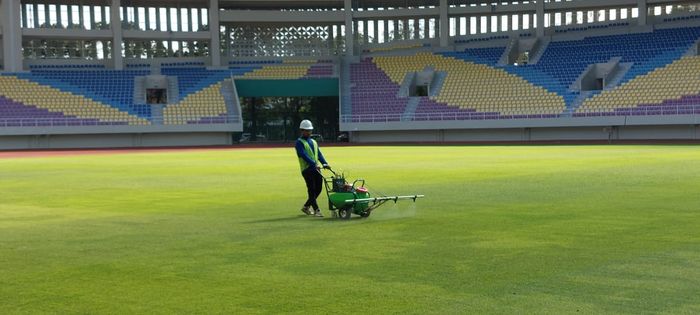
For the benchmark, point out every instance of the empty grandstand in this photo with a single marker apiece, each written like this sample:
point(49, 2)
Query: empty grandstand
point(142, 73)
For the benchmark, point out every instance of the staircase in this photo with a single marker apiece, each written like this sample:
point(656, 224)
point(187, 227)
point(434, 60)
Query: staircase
point(173, 90)
point(438, 82)
point(157, 114)
point(617, 78)
point(345, 88)
point(539, 50)
point(506, 53)
point(155, 69)
point(569, 111)
point(410, 110)
point(405, 89)
point(228, 91)
point(693, 51)
point(139, 90)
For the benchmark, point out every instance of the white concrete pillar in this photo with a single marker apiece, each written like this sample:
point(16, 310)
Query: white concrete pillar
point(386, 31)
point(643, 12)
point(158, 20)
point(11, 35)
point(47, 16)
point(539, 14)
point(81, 17)
point(376, 31)
point(331, 39)
point(444, 23)
point(117, 37)
point(349, 32)
point(426, 29)
point(179, 20)
point(93, 20)
point(146, 19)
point(136, 17)
point(214, 42)
point(416, 28)
point(406, 30)
point(365, 35)
point(499, 23)
point(190, 18)
point(59, 16)
point(168, 21)
point(70, 16)
point(227, 49)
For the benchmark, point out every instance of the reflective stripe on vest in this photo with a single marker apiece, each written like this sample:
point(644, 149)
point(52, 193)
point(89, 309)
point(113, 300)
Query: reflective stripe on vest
point(312, 154)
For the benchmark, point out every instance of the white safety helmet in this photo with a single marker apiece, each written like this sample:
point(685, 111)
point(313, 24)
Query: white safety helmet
point(306, 125)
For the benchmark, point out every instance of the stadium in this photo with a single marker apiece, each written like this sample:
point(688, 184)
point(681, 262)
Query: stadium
point(532, 156)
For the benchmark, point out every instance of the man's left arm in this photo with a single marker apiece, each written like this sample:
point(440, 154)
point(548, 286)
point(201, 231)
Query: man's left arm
point(321, 158)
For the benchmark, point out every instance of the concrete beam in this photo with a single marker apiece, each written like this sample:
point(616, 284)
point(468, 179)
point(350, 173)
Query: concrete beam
point(257, 16)
point(12, 35)
point(176, 36)
point(67, 34)
point(398, 13)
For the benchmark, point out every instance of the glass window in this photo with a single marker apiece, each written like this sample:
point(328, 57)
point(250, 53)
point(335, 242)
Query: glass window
point(173, 20)
point(185, 25)
point(195, 20)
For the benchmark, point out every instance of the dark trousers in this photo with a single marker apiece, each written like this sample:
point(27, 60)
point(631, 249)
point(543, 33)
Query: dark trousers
point(314, 185)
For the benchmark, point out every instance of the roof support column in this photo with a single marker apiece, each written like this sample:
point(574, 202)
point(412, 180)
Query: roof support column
point(444, 23)
point(214, 41)
point(11, 35)
point(116, 25)
point(539, 14)
point(643, 12)
point(349, 31)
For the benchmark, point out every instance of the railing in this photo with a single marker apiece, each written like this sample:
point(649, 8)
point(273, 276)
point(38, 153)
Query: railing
point(451, 116)
point(87, 122)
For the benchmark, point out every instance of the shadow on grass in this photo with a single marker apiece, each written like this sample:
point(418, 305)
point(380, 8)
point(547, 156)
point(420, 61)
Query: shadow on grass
point(282, 219)
point(325, 219)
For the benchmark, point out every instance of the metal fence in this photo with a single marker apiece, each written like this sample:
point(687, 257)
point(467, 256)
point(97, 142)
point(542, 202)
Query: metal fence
point(451, 116)
point(88, 122)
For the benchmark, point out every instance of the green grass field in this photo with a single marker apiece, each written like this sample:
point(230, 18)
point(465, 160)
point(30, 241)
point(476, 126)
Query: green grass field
point(530, 230)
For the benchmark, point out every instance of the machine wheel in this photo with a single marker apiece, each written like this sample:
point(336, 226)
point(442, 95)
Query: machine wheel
point(365, 214)
point(344, 213)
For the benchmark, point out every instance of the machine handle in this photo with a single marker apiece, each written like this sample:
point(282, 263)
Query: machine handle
point(330, 170)
point(357, 181)
point(387, 198)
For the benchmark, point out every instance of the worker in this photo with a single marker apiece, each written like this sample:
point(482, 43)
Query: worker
point(309, 157)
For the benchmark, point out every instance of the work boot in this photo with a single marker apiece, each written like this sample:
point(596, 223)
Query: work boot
point(306, 210)
point(318, 213)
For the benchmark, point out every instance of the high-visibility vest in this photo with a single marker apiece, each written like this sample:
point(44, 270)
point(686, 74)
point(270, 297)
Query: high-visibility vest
point(313, 154)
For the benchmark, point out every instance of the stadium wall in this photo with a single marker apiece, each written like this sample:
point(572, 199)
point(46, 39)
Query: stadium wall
point(560, 129)
point(562, 134)
point(118, 140)
point(21, 138)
